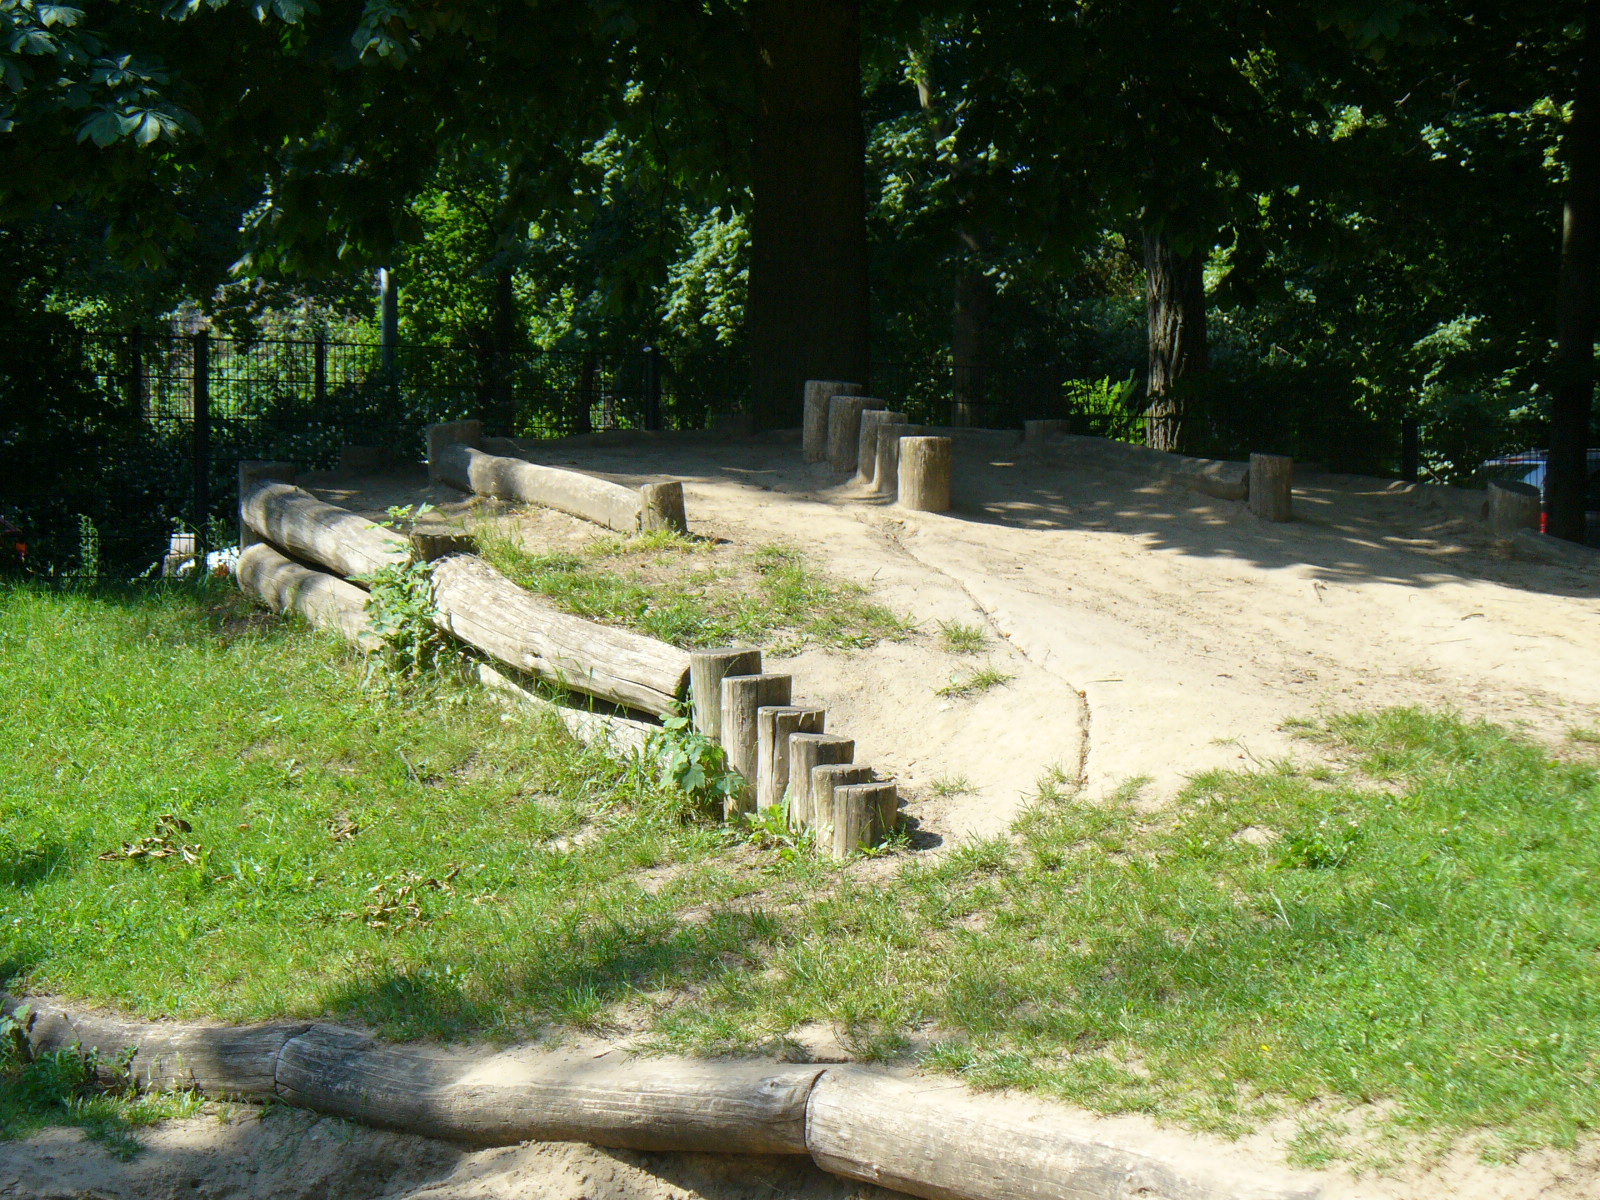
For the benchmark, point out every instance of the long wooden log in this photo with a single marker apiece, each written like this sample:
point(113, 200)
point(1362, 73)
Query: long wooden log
point(591, 728)
point(625, 509)
point(295, 520)
point(326, 601)
point(512, 625)
point(251, 472)
point(745, 1108)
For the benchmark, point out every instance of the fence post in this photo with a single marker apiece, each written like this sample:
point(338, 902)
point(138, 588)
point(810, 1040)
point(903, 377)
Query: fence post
point(1410, 449)
point(652, 387)
point(319, 366)
point(200, 397)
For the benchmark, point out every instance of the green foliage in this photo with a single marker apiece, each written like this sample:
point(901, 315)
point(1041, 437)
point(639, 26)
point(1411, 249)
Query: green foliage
point(975, 682)
point(958, 638)
point(402, 612)
point(693, 764)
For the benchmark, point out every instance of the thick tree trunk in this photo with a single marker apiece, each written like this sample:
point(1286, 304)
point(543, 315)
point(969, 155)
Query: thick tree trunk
point(1175, 304)
point(1576, 300)
point(806, 316)
point(969, 346)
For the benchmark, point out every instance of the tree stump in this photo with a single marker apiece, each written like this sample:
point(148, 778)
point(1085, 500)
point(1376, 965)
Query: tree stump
point(251, 472)
point(886, 472)
point(1272, 487)
point(661, 507)
point(707, 669)
point(844, 430)
point(742, 697)
point(873, 421)
point(774, 726)
point(807, 752)
point(1513, 506)
point(814, 436)
point(925, 474)
point(447, 434)
point(864, 813)
point(826, 782)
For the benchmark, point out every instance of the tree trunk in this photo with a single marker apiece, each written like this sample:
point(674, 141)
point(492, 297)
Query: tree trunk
point(969, 346)
point(1175, 304)
point(806, 315)
point(1567, 467)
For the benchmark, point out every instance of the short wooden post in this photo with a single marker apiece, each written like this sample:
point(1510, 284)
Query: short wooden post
point(886, 473)
point(814, 436)
point(774, 726)
point(707, 670)
point(844, 430)
point(742, 697)
point(251, 472)
point(1272, 486)
point(661, 507)
point(925, 474)
point(1513, 506)
point(872, 423)
point(807, 752)
point(826, 783)
point(859, 816)
point(450, 433)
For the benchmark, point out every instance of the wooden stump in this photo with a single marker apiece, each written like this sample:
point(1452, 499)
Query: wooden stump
point(873, 422)
point(826, 782)
point(864, 813)
point(661, 507)
point(886, 472)
point(1272, 487)
point(447, 434)
point(925, 474)
point(742, 697)
point(844, 430)
point(707, 670)
point(774, 726)
point(807, 752)
point(1513, 506)
point(251, 472)
point(818, 393)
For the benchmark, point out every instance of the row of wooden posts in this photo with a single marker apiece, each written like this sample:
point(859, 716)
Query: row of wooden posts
point(855, 433)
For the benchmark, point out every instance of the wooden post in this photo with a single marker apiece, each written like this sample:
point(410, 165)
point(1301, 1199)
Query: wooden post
point(925, 474)
point(844, 430)
point(863, 815)
point(661, 507)
point(774, 725)
point(807, 752)
point(826, 781)
point(872, 423)
point(447, 434)
point(742, 697)
point(886, 474)
point(707, 669)
point(251, 472)
point(817, 394)
point(1513, 506)
point(1272, 486)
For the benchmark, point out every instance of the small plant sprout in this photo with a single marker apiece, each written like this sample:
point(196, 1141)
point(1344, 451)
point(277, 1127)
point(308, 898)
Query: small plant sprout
point(961, 639)
point(949, 786)
point(692, 763)
point(975, 684)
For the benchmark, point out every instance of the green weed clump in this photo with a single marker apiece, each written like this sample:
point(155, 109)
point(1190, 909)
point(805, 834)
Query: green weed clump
point(974, 683)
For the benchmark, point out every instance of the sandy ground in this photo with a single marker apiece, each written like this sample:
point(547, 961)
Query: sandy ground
point(1153, 633)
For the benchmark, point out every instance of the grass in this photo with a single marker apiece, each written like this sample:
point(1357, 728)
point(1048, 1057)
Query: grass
point(961, 639)
point(974, 683)
point(693, 593)
point(1412, 936)
point(948, 786)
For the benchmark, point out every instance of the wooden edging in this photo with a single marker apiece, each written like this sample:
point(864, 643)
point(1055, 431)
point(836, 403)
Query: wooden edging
point(923, 1136)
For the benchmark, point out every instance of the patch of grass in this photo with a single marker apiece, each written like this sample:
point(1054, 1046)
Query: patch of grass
point(974, 683)
point(1586, 735)
point(947, 786)
point(961, 639)
point(691, 593)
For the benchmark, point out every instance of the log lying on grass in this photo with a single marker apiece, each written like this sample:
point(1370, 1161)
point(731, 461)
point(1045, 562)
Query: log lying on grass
point(326, 601)
point(512, 625)
point(295, 520)
point(622, 734)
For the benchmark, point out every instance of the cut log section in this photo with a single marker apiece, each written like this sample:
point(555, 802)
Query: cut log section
point(807, 752)
point(925, 474)
point(886, 473)
point(844, 430)
point(872, 421)
point(295, 520)
point(826, 782)
point(707, 670)
point(528, 633)
point(864, 814)
point(774, 727)
point(742, 697)
point(324, 600)
point(1272, 487)
point(814, 436)
point(1513, 506)
point(622, 734)
point(252, 472)
point(446, 434)
point(661, 507)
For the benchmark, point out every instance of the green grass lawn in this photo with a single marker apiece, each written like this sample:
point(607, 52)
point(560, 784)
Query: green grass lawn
point(1419, 929)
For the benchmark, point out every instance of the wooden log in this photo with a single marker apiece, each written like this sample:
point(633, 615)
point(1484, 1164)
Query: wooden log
point(933, 1138)
point(502, 1099)
point(527, 632)
point(864, 814)
point(742, 697)
point(774, 725)
point(886, 474)
point(1513, 506)
point(1272, 486)
point(446, 434)
point(251, 472)
point(295, 520)
point(598, 500)
point(924, 475)
point(325, 600)
point(814, 436)
point(873, 420)
point(661, 507)
point(807, 752)
point(826, 782)
point(429, 542)
point(238, 1061)
point(844, 430)
point(707, 670)
point(622, 734)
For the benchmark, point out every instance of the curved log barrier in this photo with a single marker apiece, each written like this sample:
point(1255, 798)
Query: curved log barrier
point(326, 601)
point(623, 734)
point(319, 532)
point(924, 1136)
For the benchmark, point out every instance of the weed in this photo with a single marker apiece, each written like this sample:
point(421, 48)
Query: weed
point(948, 786)
point(975, 683)
point(961, 639)
point(693, 764)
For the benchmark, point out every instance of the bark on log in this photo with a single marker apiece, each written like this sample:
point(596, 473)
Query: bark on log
point(844, 430)
point(622, 734)
point(872, 421)
point(598, 500)
point(446, 434)
point(864, 814)
point(807, 752)
point(1513, 506)
point(219, 1060)
point(661, 507)
point(774, 726)
point(742, 697)
point(886, 474)
point(826, 782)
point(707, 670)
point(814, 435)
point(501, 1099)
point(326, 601)
point(333, 537)
point(935, 1139)
point(512, 625)
point(252, 472)
point(1272, 487)
point(925, 474)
